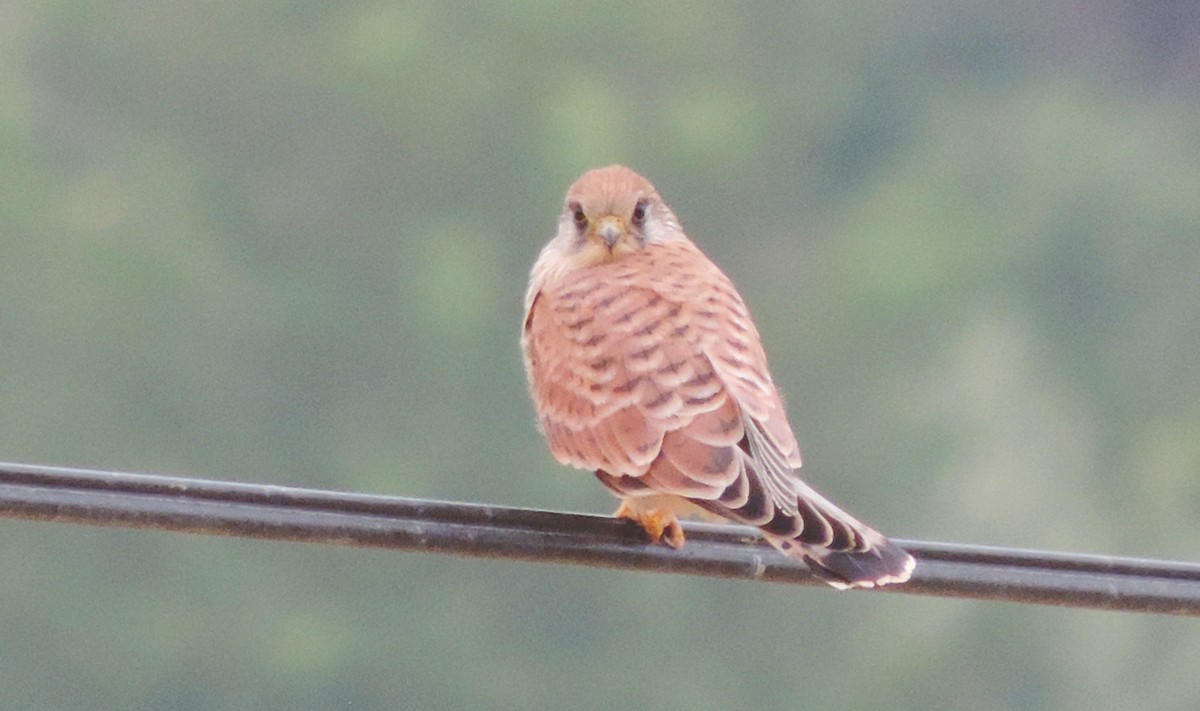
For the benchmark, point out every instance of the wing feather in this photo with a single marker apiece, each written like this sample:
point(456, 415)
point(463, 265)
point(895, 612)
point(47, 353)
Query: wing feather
point(650, 371)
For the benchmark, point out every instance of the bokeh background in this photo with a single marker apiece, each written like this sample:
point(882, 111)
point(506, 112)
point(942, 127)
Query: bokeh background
point(286, 242)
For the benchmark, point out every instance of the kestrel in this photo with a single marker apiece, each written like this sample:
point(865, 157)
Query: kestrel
point(645, 367)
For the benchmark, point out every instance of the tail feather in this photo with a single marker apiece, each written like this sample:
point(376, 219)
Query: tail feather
point(884, 563)
point(837, 547)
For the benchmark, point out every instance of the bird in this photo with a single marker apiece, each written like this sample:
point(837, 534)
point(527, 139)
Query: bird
point(646, 368)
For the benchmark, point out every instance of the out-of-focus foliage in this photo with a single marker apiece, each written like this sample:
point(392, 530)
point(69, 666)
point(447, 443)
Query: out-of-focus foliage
point(287, 242)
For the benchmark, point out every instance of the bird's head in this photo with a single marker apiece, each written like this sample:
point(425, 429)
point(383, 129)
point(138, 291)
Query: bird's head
point(611, 212)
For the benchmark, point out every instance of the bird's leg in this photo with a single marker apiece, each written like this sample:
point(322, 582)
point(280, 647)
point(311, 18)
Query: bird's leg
point(659, 524)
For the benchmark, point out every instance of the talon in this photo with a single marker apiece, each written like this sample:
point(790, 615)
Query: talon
point(673, 535)
point(659, 525)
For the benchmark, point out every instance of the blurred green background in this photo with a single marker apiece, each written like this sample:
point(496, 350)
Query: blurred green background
point(287, 242)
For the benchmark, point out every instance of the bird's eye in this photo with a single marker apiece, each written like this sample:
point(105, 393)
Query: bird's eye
point(639, 212)
point(578, 216)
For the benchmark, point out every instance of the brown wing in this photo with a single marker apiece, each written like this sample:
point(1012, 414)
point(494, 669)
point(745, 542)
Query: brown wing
point(653, 357)
point(615, 366)
point(650, 371)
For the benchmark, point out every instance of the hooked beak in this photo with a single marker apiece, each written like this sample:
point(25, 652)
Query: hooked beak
point(610, 230)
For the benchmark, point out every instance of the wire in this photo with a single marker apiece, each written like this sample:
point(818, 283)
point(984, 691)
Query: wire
point(312, 516)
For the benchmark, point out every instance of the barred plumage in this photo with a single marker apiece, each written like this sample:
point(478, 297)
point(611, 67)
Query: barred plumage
point(646, 368)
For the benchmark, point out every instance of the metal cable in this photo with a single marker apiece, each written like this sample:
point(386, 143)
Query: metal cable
point(307, 515)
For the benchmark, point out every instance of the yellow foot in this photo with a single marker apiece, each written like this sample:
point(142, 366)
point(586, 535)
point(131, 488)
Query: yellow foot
point(659, 525)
